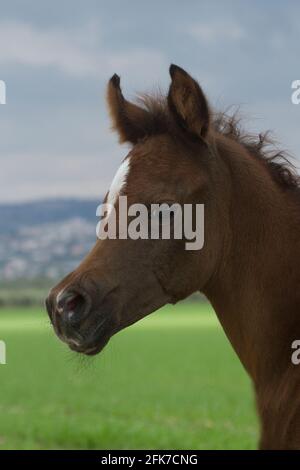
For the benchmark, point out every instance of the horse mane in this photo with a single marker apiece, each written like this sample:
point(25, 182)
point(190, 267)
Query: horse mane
point(261, 146)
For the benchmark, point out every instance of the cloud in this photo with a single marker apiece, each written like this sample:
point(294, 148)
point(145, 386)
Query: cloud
point(54, 126)
point(49, 175)
point(74, 52)
point(82, 155)
point(216, 31)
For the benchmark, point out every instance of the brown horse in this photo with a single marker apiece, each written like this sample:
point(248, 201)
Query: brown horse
point(248, 268)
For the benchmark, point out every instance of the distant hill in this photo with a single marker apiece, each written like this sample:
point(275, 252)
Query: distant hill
point(45, 239)
point(14, 216)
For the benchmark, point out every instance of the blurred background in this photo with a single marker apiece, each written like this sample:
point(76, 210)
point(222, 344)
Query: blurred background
point(171, 381)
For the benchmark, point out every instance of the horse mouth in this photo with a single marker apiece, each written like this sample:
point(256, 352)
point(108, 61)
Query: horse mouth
point(92, 343)
point(90, 349)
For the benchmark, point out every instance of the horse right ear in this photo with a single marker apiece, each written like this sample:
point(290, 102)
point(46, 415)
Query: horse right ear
point(128, 119)
point(188, 103)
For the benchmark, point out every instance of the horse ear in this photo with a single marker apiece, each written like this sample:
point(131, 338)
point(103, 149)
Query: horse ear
point(187, 103)
point(128, 119)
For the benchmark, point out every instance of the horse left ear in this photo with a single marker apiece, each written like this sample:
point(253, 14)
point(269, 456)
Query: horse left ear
point(129, 120)
point(188, 103)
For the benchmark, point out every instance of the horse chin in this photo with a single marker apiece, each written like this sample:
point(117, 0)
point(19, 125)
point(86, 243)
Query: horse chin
point(93, 343)
point(92, 348)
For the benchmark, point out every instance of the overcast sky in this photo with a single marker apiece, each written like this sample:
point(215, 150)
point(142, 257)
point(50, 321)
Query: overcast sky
point(56, 57)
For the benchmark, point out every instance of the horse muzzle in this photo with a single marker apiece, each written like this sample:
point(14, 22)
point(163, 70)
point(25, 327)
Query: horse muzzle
point(83, 320)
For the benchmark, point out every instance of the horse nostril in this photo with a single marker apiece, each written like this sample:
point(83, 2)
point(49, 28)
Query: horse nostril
point(71, 306)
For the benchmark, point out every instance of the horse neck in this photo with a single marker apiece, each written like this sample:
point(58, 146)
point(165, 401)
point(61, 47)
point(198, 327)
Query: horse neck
point(254, 290)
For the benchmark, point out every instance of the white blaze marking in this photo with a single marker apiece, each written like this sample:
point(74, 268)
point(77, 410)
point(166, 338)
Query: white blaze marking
point(116, 186)
point(118, 182)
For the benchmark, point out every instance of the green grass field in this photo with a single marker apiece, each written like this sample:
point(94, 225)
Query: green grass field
point(170, 381)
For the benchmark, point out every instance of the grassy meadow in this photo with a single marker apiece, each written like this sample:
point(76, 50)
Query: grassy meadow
point(170, 381)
